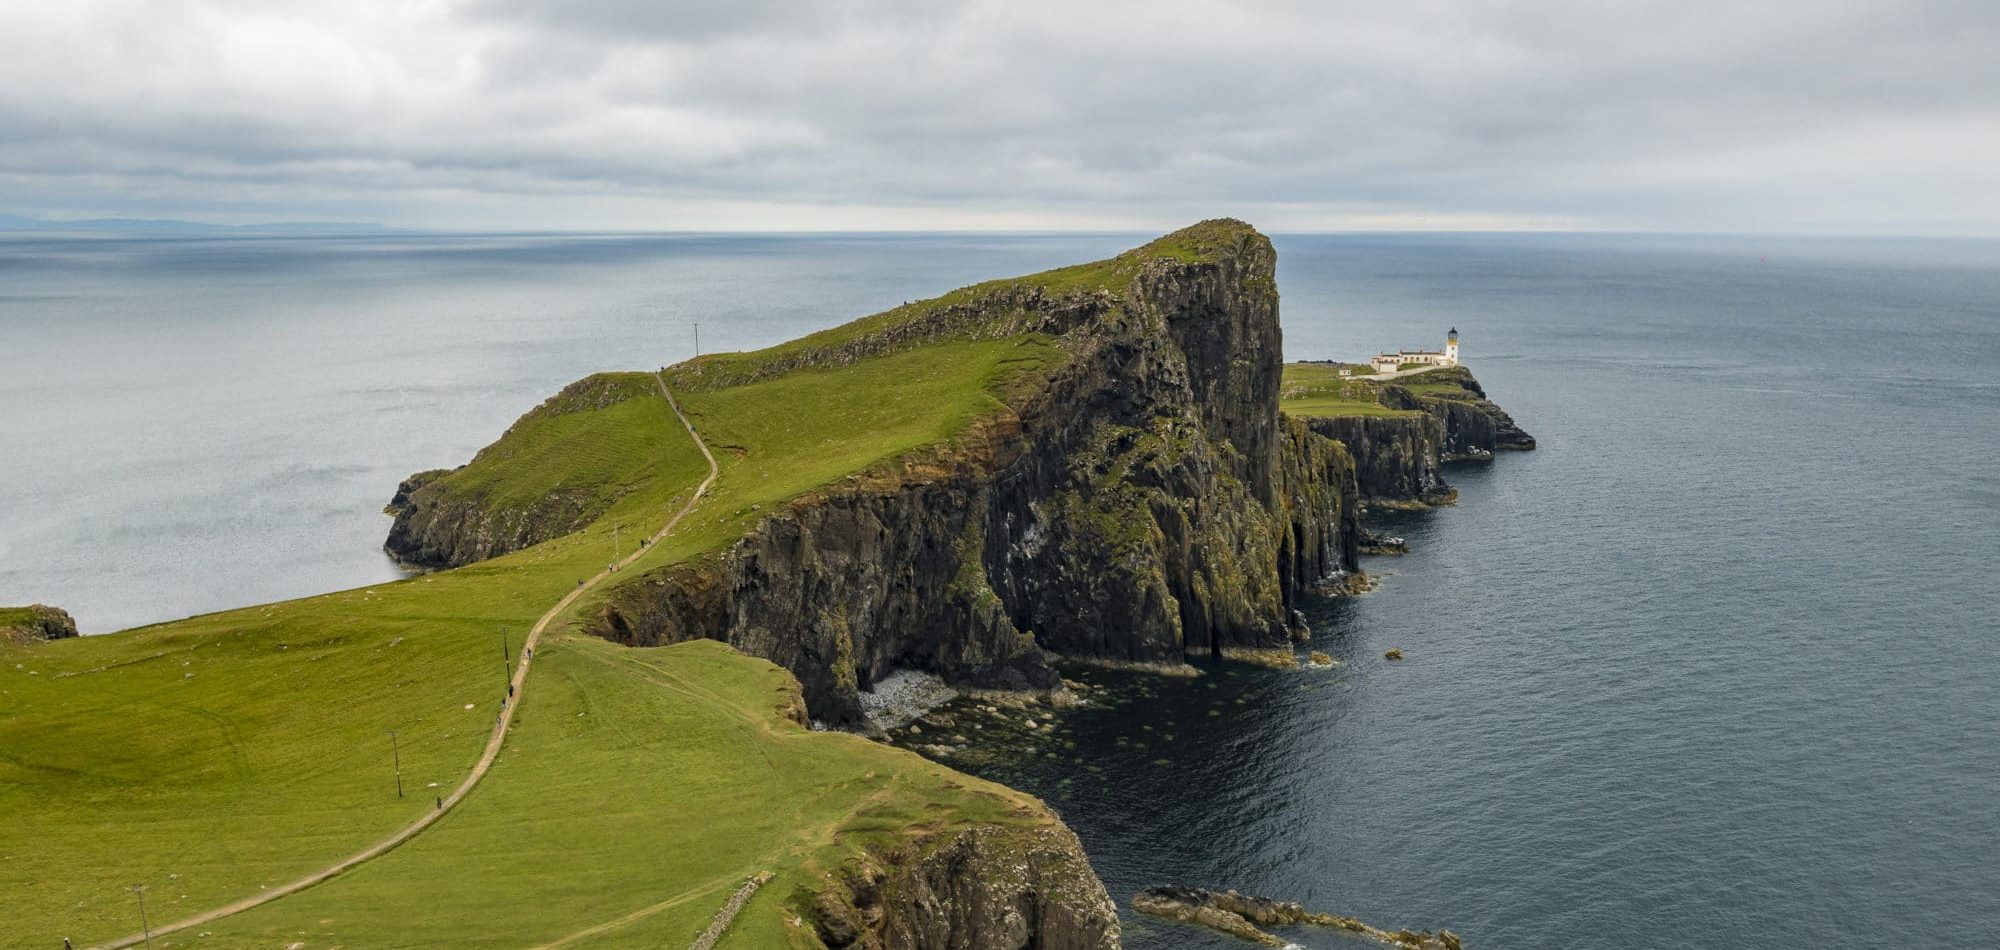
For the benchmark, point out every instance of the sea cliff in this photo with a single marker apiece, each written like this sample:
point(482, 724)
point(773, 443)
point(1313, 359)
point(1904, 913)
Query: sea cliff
point(1143, 502)
point(1398, 459)
point(1402, 432)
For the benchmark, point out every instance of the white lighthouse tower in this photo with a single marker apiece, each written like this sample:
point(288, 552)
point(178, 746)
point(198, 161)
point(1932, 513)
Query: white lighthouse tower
point(1451, 348)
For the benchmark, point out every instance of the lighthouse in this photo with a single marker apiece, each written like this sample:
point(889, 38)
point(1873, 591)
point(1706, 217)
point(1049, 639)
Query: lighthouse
point(1451, 348)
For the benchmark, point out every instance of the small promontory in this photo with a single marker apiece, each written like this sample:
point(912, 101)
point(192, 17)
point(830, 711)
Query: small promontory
point(1402, 432)
point(35, 622)
point(554, 471)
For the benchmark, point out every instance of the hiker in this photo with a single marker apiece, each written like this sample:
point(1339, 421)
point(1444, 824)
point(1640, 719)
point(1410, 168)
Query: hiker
point(440, 803)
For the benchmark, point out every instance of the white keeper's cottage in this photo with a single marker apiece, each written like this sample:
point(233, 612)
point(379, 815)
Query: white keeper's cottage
point(1391, 362)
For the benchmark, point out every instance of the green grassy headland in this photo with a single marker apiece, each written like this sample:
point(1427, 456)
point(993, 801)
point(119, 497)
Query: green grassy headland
point(211, 757)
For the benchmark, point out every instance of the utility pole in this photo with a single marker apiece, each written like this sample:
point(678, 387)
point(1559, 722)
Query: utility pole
point(396, 756)
point(145, 926)
point(697, 339)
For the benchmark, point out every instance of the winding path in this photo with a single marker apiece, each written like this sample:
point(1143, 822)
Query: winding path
point(493, 742)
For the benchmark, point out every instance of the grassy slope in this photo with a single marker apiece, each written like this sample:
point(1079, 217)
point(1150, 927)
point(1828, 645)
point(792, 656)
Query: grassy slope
point(642, 787)
point(268, 761)
point(547, 451)
point(216, 754)
point(785, 436)
point(210, 756)
point(1317, 390)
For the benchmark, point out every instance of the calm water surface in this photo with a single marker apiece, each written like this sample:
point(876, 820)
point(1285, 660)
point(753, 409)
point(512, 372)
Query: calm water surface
point(1716, 665)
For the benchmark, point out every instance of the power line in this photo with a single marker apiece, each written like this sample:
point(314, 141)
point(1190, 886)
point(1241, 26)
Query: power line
point(145, 926)
point(396, 756)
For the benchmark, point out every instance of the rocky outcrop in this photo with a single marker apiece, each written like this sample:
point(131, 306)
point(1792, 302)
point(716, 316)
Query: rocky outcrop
point(984, 888)
point(35, 623)
point(1397, 458)
point(1145, 502)
point(1240, 915)
point(438, 528)
point(444, 518)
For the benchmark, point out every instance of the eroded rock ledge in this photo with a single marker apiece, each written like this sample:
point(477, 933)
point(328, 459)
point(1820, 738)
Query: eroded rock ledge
point(1241, 916)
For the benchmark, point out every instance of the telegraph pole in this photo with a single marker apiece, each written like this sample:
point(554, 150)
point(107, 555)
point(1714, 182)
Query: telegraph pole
point(396, 754)
point(145, 926)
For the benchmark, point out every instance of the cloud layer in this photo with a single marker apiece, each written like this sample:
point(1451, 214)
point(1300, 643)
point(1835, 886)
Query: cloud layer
point(1827, 115)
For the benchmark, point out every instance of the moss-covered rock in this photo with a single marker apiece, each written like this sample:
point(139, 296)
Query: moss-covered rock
point(35, 622)
point(992, 887)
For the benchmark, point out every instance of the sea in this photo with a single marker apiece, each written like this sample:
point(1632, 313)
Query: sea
point(1717, 665)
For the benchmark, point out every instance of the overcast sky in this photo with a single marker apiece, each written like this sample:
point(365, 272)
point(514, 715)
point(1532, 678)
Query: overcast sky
point(1812, 115)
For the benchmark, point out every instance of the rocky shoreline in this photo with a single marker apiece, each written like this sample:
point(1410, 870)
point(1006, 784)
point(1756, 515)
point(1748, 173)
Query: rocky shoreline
point(1245, 917)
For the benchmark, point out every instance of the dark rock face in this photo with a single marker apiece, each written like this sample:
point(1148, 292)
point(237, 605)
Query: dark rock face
point(1319, 492)
point(1396, 458)
point(36, 622)
point(1474, 427)
point(1146, 504)
point(842, 587)
point(438, 528)
point(984, 888)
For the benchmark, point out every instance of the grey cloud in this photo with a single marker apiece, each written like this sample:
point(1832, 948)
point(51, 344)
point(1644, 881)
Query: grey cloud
point(1843, 114)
